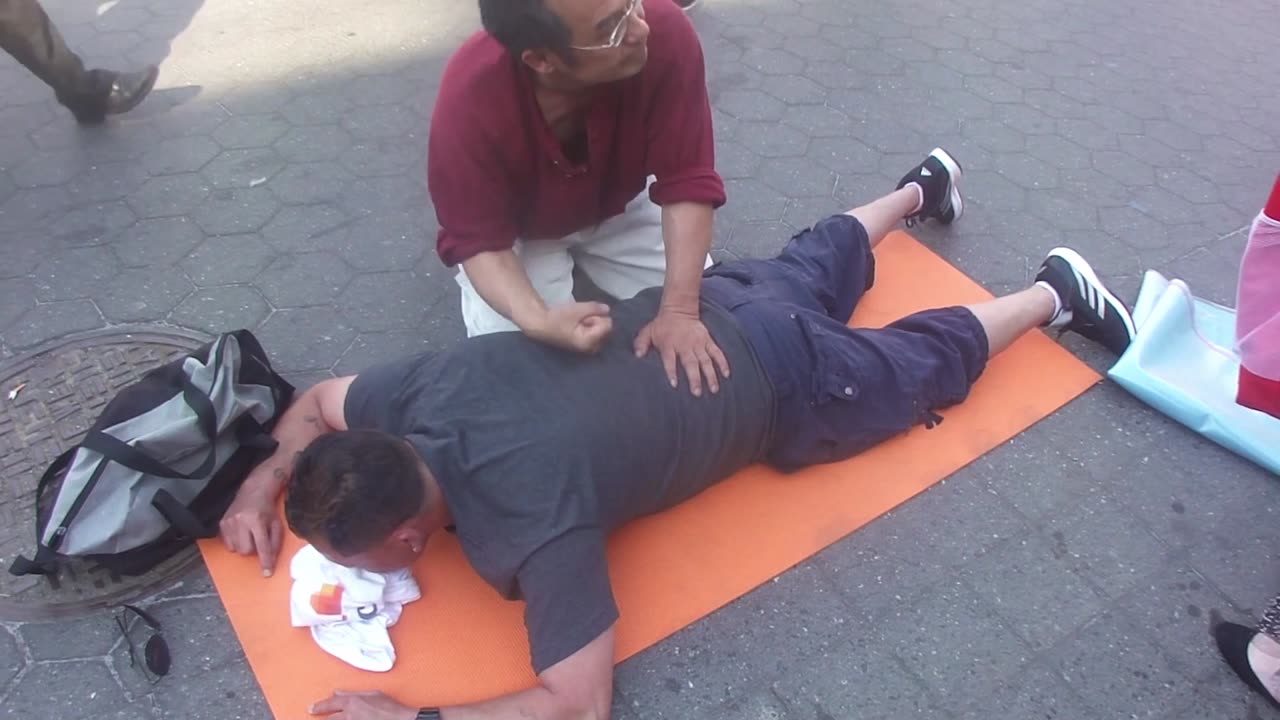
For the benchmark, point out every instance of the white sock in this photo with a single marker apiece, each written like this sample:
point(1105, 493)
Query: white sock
point(1264, 659)
point(919, 194)
point(1061, 314)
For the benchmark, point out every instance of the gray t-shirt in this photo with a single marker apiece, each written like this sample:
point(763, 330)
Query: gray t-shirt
point(541, 452)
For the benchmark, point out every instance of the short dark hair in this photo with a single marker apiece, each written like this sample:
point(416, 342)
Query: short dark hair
point(353, 488)
point(521, 25)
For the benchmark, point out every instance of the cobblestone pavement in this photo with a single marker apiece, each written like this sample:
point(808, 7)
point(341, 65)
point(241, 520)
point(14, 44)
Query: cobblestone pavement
point(275, 181)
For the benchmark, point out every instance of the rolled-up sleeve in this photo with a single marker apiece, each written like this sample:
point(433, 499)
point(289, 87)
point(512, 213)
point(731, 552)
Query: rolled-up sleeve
point(681, 141)
point(467, 183)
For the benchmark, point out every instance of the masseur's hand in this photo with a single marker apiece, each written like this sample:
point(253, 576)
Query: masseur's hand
point(579, 326)
point(682, 338)
point(362, 706)
point(251, 525)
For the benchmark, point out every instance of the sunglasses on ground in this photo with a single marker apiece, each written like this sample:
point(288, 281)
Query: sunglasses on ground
point(155, 651)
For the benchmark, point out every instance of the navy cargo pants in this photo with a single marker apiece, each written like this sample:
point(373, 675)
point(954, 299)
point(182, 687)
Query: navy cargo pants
point(842, 390)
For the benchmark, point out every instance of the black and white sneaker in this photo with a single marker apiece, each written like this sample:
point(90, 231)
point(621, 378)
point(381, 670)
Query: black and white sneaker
point(1085, 305)
point(939, 177)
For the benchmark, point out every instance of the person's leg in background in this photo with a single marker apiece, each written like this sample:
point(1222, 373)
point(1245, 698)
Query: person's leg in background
point(27, 33)
point(1254, 655)
point(550, 270)
point(1258, 312)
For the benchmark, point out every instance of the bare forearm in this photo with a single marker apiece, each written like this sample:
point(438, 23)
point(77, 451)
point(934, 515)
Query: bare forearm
point(536, 704)
point(686, 231)
point(500, 278)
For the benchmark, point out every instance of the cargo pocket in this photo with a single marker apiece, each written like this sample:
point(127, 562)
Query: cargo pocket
point(860, 395)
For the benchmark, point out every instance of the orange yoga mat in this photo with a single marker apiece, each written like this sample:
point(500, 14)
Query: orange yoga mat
point(462, 642)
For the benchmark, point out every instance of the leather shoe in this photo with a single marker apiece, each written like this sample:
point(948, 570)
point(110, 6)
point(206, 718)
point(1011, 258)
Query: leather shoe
point(1233, 642)
point(128, 90)
point(110, 93)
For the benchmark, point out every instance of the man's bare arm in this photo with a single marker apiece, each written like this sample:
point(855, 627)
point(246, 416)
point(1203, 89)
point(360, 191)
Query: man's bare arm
point(580, 687)
point(500, 278)
point(687, 234)
point(502, 281)
point(677, 332)
point(251, 525)
point(315, 412)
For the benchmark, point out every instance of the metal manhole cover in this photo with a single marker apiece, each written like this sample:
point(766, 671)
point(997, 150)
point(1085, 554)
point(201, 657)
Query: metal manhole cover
point(63, 388)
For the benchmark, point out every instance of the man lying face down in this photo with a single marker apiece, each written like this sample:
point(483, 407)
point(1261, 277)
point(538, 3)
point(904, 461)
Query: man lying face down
point(532, 454)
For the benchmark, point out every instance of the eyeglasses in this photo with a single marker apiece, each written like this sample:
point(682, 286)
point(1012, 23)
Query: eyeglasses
point(156, 659)
point(619, 31)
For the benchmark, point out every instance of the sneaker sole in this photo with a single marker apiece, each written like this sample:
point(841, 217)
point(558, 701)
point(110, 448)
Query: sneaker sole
point(1082, 266)
point(953, 167)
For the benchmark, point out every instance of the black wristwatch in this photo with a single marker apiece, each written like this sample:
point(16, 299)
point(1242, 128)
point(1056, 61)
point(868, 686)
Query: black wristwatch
point(428, 714)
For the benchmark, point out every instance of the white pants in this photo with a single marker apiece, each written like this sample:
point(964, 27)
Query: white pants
point(622, 256)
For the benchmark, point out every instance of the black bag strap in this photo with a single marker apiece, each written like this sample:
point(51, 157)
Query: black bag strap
point(122, 453)
point(251, 434)
point(45, 563)
point(118, 451)
point(180, 516)
point(74, 510)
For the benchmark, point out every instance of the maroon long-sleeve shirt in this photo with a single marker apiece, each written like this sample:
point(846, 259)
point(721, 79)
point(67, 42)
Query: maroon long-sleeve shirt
point(496, 172)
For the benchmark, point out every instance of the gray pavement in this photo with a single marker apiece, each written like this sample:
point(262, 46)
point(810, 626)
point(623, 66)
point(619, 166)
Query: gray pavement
point(276, 181)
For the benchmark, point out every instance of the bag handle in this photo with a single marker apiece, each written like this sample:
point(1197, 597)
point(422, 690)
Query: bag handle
point(181, 517)
point(177, 514)
point(250, 434)
point(118, 451)
point(45, 561)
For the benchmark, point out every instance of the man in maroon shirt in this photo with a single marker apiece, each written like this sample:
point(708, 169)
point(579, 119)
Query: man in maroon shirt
point(549, 128)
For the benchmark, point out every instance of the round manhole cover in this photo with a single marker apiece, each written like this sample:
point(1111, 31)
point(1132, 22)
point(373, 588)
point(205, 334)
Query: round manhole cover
point(48, 400)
